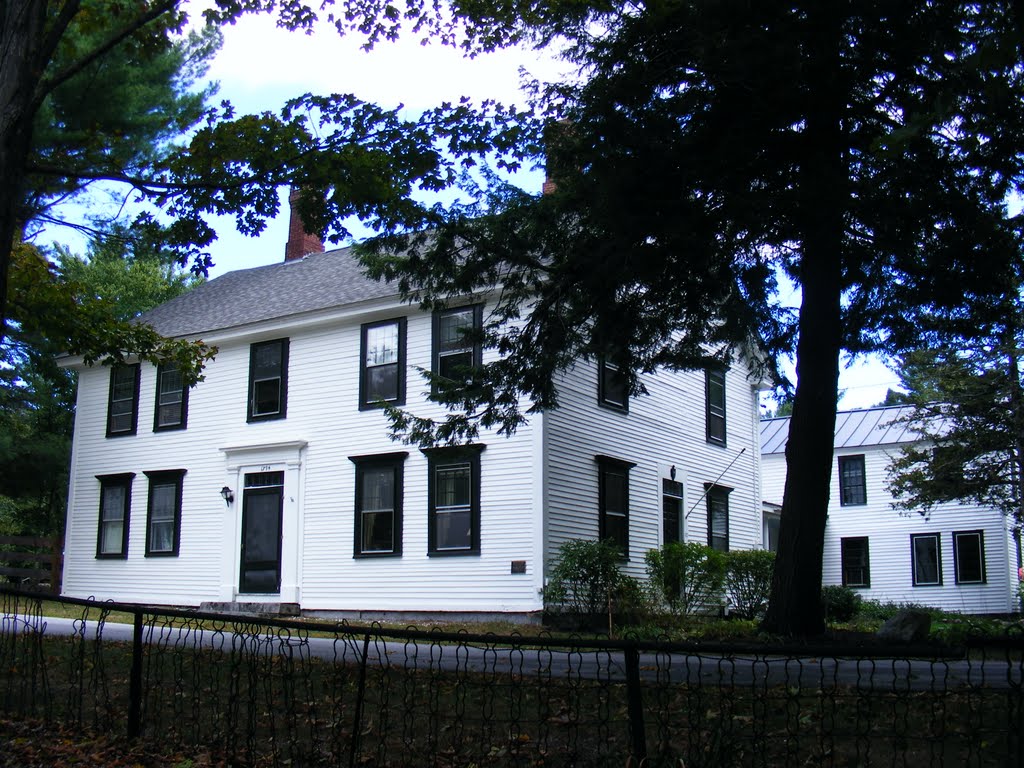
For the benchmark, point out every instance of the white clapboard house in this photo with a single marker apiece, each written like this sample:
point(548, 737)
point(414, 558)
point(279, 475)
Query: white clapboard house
point(274, 480)
point(961, 557)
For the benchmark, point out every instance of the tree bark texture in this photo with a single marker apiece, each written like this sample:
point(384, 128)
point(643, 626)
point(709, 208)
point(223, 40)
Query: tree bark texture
point(795, 604)
point(22, 29)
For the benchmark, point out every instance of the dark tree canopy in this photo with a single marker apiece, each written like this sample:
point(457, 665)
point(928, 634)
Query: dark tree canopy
point(863, 149)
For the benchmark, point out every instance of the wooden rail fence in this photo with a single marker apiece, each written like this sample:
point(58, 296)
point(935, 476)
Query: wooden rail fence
point(32, 562)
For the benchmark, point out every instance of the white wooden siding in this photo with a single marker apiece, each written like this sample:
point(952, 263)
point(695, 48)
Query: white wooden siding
point(323, 416)
point(662, 429)
point(889, 532)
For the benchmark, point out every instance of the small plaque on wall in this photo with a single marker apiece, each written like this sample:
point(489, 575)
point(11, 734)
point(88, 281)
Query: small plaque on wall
point(518, 566)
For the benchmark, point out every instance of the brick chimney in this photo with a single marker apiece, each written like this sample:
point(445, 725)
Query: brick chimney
point(300, 242)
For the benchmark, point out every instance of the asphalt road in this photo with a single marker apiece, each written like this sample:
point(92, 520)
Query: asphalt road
point(804, 673)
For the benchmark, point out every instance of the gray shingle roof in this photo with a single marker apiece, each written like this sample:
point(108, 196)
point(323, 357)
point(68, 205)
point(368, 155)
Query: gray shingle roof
point(317, 281)
point(854, 429)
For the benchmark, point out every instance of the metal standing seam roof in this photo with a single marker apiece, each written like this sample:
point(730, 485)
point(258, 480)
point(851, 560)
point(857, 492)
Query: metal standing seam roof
point(854, 429)
point(317, 281)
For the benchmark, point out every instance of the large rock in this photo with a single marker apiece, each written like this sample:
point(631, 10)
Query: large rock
point(907, 626)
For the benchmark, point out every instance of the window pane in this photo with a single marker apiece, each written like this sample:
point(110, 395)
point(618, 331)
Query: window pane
point(615, 486)
point(113, 502)
point(616, 528)
point(453, 529)
point(267, 396)
point(855, 562)
point(382, 344)
point(970, 562)
point(378, 532)
point(454, 365)
point(613, 385)
point(926, 560)
point(452, 328)
point(382, 383)
point(851, 480)
point(453, 486)
point(267, 360)
point(112, 538)
point(378, 489)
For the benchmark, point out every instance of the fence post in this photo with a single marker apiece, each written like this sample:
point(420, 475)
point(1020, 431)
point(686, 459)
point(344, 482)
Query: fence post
point(635, 705)
point(135, 681)
point(360, 694)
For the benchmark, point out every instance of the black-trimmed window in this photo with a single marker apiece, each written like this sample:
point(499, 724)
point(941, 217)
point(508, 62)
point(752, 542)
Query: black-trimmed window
point(382, 364)
point(852, 481)
point(925, 559)
point(453, 491)
point(671, 510)
point(613, 501)
point(456, 348)
point(611, 386)
point(718, 516)
point(856, 561)
point(123, 401)
point(268, 380)
point(714, 405)
point(379, 495)
point(163, 512)
point(171, 410)
point(969, 557)
point(114, 515)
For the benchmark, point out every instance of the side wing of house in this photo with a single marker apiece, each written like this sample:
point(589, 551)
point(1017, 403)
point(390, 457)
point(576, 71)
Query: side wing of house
point(961, 557)
point(680, 463)
point(323, 509)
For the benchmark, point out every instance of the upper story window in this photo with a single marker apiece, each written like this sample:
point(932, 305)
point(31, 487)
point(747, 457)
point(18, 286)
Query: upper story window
point(163, 512)
point(382, 364)
point(268, 380)
point(714, 406)
point(613, 501)
point(453, 489)
point(718, 517)
point(456, 350)
point(852, 482)
point(925, 559)
point(611, 386)
point(379, 492)
point(123, 404)
point(171, 399)
point(115, 513)
point(855, 564)
point(969, 556)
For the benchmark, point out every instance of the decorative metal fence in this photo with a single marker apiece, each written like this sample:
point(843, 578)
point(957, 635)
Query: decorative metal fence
point(275, 692)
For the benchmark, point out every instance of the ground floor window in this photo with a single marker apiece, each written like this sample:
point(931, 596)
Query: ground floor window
point(114, 516)
point(163, 512)
point(855, 561)
point(454, 500)
point(718, 517)
point(926, 559)
point(378, 504)
point(969, 556)
point(671, 510)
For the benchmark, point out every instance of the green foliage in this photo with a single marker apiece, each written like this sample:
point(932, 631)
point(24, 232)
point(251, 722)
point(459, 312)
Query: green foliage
point(585, 578)
point(841, 603)
point(968, 408)
point(749, 580)
point(686, 578)
point(37, 398)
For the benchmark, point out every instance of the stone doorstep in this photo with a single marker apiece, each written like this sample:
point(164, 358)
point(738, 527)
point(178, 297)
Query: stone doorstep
point(252, 609)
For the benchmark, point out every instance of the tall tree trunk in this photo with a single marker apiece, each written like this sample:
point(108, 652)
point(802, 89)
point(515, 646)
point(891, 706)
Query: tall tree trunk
point(795, 603)
point(22, 27)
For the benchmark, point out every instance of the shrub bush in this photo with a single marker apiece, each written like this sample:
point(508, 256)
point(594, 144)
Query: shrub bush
point(749, 580)
point(841, 603)
point(686, 578)
point(585, 577)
